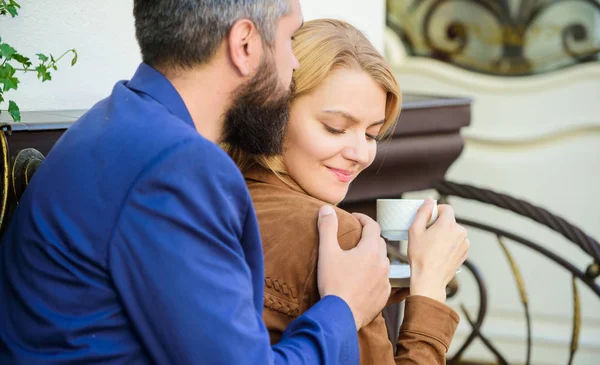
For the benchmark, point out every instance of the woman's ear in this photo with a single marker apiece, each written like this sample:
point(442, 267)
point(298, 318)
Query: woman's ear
point(245, 46)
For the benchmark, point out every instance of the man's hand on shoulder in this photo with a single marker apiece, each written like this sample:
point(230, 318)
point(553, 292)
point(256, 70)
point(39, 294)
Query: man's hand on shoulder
point(360, 275)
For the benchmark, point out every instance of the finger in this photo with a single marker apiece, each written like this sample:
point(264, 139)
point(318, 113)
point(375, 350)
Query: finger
point(423, 216)
point(462, 231)
point(328, 227)
point(371, 232)
point(446, 212)
point(464, 257)
point(363, 218)
point(464, 247)
point(383, 249)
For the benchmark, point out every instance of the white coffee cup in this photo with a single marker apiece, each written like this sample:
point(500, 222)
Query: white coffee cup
point(395, 216)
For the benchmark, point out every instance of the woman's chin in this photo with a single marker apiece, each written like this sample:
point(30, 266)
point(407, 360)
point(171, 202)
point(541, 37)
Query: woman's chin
point(323, 190)
point(332, 198)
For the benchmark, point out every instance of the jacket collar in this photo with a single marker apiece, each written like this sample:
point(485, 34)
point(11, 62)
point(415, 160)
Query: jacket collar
point(149, 81)
point(264, 176)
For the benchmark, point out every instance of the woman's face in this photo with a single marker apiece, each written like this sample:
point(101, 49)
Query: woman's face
point(332, 133)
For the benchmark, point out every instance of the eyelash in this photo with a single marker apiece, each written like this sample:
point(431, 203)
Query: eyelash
point(375, 138)
point(338, 131)
point(333, 130)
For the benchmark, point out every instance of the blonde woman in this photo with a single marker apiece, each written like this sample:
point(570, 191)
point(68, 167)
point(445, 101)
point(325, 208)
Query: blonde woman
point(346, 100)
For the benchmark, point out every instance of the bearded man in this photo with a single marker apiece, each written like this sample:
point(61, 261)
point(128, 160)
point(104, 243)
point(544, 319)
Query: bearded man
point(136, 241)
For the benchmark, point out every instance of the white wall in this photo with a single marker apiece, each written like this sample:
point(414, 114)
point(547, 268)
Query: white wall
point(103, 34)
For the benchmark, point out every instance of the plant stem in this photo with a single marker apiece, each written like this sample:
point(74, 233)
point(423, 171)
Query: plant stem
point(61, 56)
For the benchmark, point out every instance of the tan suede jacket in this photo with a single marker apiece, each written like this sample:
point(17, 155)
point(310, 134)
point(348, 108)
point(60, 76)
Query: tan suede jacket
point(287, 218)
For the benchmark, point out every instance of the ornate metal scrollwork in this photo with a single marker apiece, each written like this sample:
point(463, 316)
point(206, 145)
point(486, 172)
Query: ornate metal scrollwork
point(26, 162)
point(5, 129)
point(490, 36)
point(544, 217)
point(16, 174)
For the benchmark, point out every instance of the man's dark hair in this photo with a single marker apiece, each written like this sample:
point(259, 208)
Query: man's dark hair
point(186, 33)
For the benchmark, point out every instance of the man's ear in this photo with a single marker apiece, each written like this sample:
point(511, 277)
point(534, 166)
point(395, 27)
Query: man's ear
point(245, 46)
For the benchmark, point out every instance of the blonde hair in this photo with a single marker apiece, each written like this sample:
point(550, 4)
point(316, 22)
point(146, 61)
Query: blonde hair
point(320, 46)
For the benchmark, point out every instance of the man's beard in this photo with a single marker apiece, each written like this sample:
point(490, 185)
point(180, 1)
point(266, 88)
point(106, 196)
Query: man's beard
point(257, 120)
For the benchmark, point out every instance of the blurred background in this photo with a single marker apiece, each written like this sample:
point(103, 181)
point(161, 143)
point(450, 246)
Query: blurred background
point(530, 72)
point(531, 69)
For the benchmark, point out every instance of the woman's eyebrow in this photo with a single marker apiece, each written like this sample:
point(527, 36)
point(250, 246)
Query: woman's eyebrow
point(349, 116)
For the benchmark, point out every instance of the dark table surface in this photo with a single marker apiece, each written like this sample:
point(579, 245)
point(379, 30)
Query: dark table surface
point(61, 119)
point(425, 142)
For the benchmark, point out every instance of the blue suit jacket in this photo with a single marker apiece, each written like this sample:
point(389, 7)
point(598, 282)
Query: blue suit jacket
point(136, 243)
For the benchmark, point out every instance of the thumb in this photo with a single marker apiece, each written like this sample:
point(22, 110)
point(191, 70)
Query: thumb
point(423, 216)
point(328, 228)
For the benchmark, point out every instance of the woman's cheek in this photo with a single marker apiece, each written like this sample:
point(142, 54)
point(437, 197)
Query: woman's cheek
point(372, 155)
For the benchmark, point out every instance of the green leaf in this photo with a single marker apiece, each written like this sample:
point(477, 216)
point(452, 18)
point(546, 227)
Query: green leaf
point(22, 60)
point(7, 51)
point(43, 73)
point(74, 60)
point(10, 83)
point(42, 57)
point(12, 7)
point(6, 71)
point(13, 10)
point(1, 96)
point(13, 110)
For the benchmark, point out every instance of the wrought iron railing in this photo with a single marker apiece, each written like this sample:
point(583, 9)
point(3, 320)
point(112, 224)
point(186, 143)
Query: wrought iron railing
point(16, 173)
point(494, 36)
point(587, 275)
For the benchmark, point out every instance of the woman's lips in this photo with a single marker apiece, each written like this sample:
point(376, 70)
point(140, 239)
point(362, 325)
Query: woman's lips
point(342, 175)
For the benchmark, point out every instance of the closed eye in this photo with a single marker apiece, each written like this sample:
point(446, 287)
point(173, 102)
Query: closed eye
point(373, 138)
point(333, 130)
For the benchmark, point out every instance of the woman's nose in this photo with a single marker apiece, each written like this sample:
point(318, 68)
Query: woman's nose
point(358, 151)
